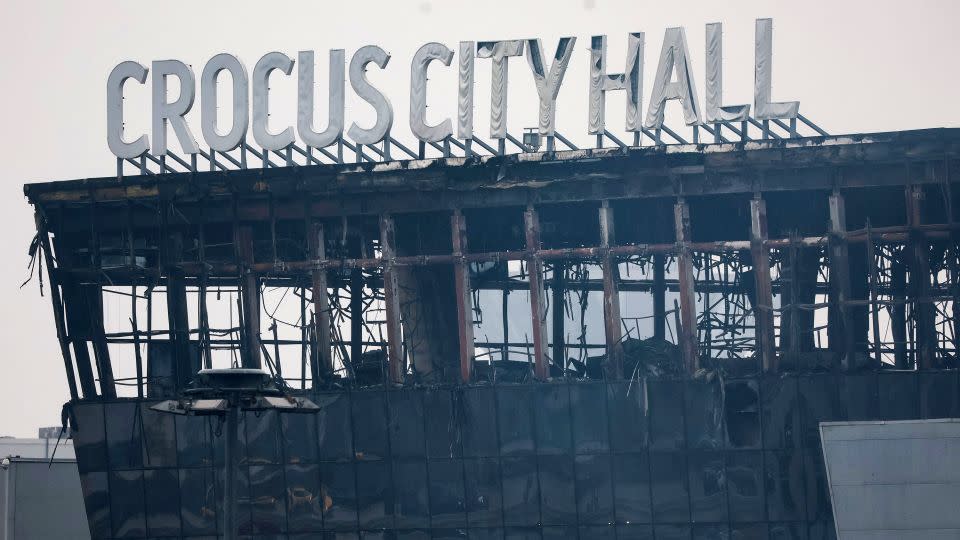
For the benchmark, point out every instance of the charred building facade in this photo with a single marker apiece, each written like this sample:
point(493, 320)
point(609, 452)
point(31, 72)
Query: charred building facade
point(606, 343)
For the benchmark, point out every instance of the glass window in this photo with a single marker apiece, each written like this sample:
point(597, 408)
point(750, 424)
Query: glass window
point(268, 499)
point(447, 504)
point(89, 441)
point(784, 486)
point(521, 493)
point(552, 415)
point(163, 507)
point(339, 491)
point(199, 502)
point(558, 505)
point(588, 403)
point(299, 437)
point(745, 486)
point(666, 414)
point(127, 505)
point(631, 488)
point(305, 502)
point(628, 415)
point(708, 489)
point(159, 437)
point(483, 493)
point(442, 426)
point(594, 489)
point(406, 423)
point(124, 435)
point(411, 496)
point(369, 413)
point(704, 412)
point(334, 428)
point(515, 419)
point(194, 435)
point(263, 437)
point(96, 498)
point(479, 428)
point(374, 494)
point(668, 480)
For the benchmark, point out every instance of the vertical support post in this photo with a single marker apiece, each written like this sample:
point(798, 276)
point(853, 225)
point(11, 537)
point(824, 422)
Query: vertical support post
point(94, 298)
point(356, 317)
point(391, 300)
point(841, 330)
point(57, 304)
point(611, 292)
point(874, 303)
point(763, 310)
point(461, 277)
point(558, 349)
point(659, 296)
point(322, 365)
point(250, 291)
point(926, 335)
point(538, 312)
point(898, 311)
point(230, 466)
point(688, 300)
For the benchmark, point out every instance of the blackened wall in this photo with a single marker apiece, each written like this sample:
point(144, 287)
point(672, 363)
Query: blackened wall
point(665, 459)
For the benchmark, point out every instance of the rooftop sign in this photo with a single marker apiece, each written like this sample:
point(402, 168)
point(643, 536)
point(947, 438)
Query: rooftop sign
point(674, 81)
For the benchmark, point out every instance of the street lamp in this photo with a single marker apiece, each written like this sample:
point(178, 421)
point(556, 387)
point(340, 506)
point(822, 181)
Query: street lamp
point(224, 393)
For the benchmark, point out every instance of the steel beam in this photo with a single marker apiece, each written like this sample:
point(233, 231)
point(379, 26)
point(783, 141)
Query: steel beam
point(250, 292)
point(926, 332)
point(538, 308)
point(763, 309)
point(461, 276)
point(322, 365)
point(612, 325)
point(391, 300)
point(841, 330)
point(688, 300)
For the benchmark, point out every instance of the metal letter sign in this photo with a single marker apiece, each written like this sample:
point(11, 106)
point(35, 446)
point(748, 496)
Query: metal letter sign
point(674, 81)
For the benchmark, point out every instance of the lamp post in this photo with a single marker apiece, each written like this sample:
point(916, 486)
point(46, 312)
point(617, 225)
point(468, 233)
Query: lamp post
point(224, 393)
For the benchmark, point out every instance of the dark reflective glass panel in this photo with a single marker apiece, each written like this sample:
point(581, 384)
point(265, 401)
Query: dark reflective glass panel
point(194, 436)
point(263, 437)
point(627, 403)
point(447, 506)
point(96, 499)
point(159, 438)
point(442, 423)
point(705, 409)
point(339, 491)
point(479, 428)
point(515, 419)
point(411, 494)
point(939, 394)
point(708, 487)
point(745, 489)
point(89, 438)
point(784, 486)
point(521, 493)
point(268, 505)
point(668, 481)
point(199, 501)
point(299, 437)
point(631, 488)
point(667, 431)
point(588, 405)
point(672, 532)
point(552, 418)
point(334, 431)
point(483, 492)
point(594, 489)
point(124, 435)
point(781, 412)
point(898, 395)
point(369, 424)
point(162, 487)
point(374, 494)
point(127, 506)
point(305, 500)
point(557, 498)
point(406, 423)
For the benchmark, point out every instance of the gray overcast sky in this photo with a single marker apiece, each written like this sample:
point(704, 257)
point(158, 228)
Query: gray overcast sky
point(855, 66)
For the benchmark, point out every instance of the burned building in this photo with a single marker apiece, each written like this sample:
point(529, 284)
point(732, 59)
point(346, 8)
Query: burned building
point(629, 342)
